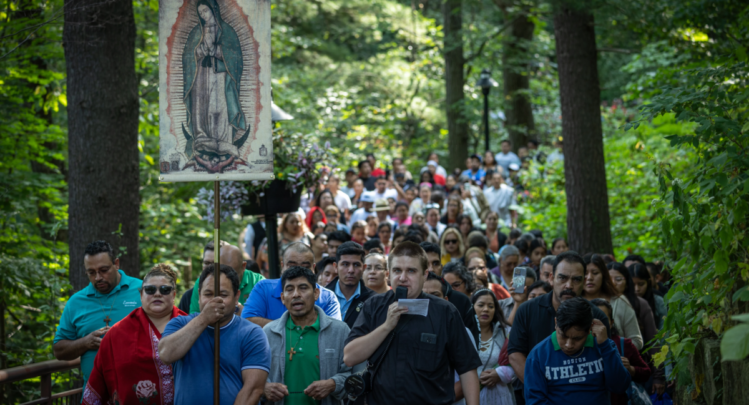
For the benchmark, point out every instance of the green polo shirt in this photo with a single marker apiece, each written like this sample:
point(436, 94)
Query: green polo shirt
point(246, 284)
point(555, 342)
point(304, 368)
point(85, 312)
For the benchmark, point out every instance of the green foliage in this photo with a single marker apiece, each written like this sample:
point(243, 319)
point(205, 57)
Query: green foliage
point(703, 213)
point(33, 191)
point(632, 185)
point(735, 343)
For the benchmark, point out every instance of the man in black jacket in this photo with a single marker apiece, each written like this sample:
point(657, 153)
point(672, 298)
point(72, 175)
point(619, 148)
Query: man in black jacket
point(349, 287)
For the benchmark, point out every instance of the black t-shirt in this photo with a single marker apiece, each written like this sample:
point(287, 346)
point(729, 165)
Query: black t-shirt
point(463, 304)
point(418, 368)
point(534, 322)
point(369, 182)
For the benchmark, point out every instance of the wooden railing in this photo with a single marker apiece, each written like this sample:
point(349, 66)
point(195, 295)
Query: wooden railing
point(44, 370)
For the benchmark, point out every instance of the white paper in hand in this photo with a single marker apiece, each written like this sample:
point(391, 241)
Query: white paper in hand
point(415, 306)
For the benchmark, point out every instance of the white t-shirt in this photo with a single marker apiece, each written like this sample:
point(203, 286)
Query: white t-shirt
point(500, 200)
point(342, 201)
point(389, 193)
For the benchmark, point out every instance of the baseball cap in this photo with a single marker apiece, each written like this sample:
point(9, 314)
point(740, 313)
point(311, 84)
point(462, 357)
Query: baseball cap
point(382, 205)
point(367, 197)
point(476, 156)
point(514, 167)
point(432, 163)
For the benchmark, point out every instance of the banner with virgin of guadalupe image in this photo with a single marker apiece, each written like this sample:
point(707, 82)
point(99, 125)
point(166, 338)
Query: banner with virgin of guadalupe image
point(214, 90)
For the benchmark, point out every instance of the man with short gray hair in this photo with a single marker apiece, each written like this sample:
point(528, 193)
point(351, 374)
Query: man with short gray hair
point(546, 268)
point(264, 304)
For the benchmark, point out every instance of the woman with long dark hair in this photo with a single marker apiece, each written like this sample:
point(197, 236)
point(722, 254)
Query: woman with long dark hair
point(598, 284)
point(489, 162)
point(644, 289)
point(622, 280)
point(324, 199)
point(494, 334)
point(536, 252)
point(465, 224)
point(454, 209)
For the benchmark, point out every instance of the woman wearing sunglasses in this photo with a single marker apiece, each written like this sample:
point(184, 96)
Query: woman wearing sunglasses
point(452, 246)
point(132, 346)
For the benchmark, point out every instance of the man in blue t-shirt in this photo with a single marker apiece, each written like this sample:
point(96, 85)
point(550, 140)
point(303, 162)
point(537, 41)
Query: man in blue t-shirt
point(506, 157)
point(475, 172)
point(110, 296)
point(264, 303)
point(188, 342)
point(577, 364)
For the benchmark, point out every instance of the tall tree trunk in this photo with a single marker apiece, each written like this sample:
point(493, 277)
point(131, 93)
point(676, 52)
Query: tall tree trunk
point(99, 41)
point(588, 224)
point(457, 125)
point(515, 68)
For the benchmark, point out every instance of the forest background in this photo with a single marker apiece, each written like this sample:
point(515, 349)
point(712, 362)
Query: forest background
point(368, 76)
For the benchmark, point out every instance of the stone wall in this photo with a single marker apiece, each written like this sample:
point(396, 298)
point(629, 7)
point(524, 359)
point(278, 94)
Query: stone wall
point(718, 383)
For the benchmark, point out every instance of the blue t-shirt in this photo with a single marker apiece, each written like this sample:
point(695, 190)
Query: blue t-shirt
point(552, 377)
point(506, 160)
point(480, 174)
point(243, 346)
point(85, 312)
point(265, 301)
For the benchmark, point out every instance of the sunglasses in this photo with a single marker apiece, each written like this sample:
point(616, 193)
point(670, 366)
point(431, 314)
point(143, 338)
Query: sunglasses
point(451, 241)
point(163, 289)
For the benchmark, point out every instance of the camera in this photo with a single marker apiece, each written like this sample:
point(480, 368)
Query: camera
point(358, 384)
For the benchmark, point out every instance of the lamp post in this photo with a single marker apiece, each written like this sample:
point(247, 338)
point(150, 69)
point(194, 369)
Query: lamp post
point(271, 220)
point(486, 83)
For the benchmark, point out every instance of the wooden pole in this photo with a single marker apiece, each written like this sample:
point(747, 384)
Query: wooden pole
point(216, 290)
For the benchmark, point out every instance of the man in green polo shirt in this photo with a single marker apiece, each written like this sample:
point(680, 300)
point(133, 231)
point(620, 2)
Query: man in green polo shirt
point(90, 312)
point(306, 347)
point(231, 256)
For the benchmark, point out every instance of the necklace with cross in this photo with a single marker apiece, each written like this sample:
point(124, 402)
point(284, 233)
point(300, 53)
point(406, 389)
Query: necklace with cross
point(291, 353)
point(107, 319)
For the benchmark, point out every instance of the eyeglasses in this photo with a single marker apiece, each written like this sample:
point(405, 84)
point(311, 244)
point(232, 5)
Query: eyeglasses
point(163, 289)
point(457, 284)
point(475, 268)
point(451, 241)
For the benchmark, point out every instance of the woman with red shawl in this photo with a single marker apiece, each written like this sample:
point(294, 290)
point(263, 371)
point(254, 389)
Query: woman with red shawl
point(127, 368)
point(315, 215)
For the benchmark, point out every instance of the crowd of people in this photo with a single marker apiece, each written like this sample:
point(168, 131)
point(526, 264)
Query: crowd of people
point(510, 318)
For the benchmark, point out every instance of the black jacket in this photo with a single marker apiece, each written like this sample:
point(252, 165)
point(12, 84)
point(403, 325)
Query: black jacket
point(356, 304)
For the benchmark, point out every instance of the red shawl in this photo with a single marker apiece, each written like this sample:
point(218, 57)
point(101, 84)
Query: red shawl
point(127, 369)
point(312, 210)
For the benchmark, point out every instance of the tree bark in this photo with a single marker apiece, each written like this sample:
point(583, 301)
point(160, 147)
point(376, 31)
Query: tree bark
point(588, 224)
point(457, 125)
point(516, 82)
point(99, 42)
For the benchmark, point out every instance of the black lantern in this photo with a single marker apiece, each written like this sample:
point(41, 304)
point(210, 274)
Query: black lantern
point(486, 83)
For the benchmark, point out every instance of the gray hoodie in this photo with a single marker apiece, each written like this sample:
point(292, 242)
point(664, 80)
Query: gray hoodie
point(333, 334)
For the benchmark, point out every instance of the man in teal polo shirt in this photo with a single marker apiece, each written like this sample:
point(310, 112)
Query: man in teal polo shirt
point(231, 256)
point(90, 312)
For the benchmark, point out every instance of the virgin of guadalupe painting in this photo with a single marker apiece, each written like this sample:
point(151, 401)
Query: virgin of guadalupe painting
point(212, 66)
point(214, 123)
